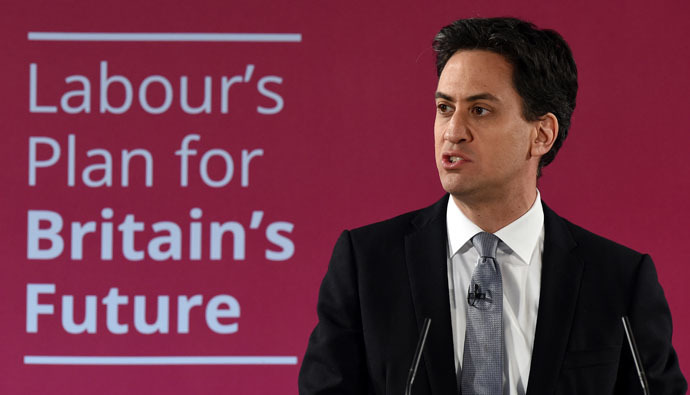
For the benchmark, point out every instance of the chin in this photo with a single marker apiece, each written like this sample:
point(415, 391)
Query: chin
point(452, 182)
point(456, 189)
point(462, 189)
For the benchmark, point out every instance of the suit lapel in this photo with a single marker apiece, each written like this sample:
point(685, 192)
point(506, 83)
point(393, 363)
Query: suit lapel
point(425, 251)
point(560, 284)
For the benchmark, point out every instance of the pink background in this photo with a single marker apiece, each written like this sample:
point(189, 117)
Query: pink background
point(352, 145)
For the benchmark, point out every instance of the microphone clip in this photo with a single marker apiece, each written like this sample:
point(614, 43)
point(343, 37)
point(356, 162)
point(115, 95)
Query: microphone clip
point(473, 296)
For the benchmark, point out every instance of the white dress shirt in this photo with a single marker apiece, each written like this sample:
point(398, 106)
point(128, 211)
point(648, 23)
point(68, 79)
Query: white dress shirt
point(519, 258)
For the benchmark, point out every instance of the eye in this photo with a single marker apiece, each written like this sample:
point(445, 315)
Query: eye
point(479, 111)
point(443, 108)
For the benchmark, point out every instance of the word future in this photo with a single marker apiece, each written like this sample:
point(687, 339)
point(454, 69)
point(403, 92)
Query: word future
point(219, 309)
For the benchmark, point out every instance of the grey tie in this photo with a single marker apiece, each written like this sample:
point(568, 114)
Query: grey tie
point(482, 361)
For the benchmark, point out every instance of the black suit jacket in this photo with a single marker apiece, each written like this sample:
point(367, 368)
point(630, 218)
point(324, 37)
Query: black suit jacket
point(385, 278)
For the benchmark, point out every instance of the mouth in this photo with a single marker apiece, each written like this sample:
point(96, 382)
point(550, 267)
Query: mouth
point(453, 161)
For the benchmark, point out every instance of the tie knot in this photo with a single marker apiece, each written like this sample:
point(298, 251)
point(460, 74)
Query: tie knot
point(486, 243)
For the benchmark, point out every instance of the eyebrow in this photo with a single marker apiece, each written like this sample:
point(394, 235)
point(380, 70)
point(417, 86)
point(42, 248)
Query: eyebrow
point(479, 96)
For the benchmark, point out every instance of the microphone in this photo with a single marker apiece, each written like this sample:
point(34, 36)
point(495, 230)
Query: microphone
point(636, 355)
point(417, 355)
point(475, 295)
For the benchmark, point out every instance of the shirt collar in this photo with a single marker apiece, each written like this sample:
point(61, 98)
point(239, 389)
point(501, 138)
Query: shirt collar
point(520, 235)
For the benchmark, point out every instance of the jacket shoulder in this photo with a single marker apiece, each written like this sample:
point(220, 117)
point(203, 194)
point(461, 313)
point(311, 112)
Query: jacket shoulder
point(399, 226)
point(605, 248)
point(587, 244)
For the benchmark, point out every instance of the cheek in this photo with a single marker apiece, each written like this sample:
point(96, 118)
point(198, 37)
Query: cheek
point(517, 144)
point(438, 138)
point(437, 129)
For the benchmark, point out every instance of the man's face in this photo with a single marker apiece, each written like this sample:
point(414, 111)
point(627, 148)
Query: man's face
point(482, 139)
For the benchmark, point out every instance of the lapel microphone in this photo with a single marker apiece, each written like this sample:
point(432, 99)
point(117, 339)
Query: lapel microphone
point(417, 355)
point(636, 355)
point(474, 295)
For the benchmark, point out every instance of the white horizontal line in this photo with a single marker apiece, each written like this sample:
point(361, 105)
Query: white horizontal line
point(158, 360)
point(153, 37)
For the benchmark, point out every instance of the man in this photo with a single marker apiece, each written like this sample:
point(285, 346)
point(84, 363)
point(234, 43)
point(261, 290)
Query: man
point(544, 300)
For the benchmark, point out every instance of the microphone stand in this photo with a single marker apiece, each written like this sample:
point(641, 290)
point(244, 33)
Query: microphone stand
point(636, 355)
point(417, 355)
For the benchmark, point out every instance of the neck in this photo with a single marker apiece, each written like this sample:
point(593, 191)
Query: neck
point(492, 214)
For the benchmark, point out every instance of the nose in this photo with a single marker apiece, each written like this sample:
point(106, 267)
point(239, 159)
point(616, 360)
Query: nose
point(457, 130)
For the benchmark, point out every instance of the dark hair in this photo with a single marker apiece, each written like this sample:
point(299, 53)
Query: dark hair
point(544, 72)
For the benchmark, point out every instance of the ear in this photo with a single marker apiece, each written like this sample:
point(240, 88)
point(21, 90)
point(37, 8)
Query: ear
point(546, 131)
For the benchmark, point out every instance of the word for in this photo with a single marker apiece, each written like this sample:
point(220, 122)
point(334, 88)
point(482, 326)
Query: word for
point(99, 172)
point(218, 307)
point(166, 243)
point(82, 93)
